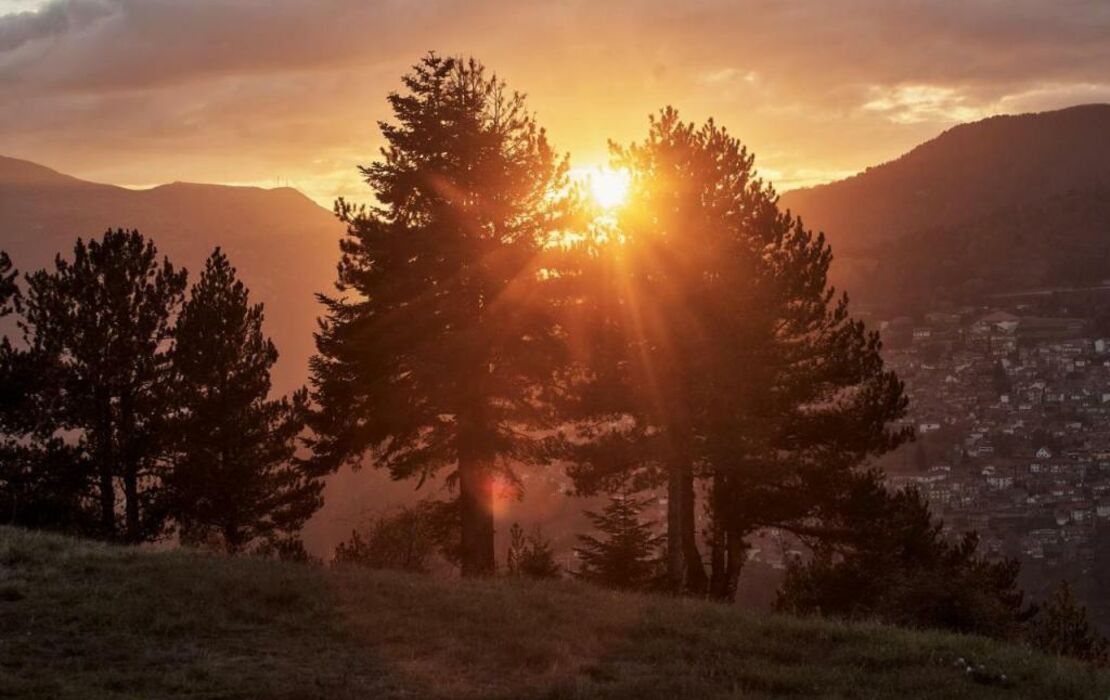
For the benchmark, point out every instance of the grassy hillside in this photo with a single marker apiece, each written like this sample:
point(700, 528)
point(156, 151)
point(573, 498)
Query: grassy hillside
point(85, 620)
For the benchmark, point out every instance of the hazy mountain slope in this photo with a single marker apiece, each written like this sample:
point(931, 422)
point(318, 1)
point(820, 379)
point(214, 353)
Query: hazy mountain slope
point(284, 245)
point(86, 620)
point(967, 172)
point(1061, 241)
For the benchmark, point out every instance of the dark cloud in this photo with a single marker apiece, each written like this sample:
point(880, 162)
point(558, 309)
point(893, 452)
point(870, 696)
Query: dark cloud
point(53, 20)
point(137, 44)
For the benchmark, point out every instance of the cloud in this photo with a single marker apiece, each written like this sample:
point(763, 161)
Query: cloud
point(53, 20)
point(914, 104)
point(726, 76)
point(252, 90)
point(139, 44)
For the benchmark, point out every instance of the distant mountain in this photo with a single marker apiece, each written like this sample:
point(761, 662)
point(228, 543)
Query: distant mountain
point(283, 244)
point(939, 214)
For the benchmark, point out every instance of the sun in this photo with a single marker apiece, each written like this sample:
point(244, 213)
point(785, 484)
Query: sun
point(608, 187)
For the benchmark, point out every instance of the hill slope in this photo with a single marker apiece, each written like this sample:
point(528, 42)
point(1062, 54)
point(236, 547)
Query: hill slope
point(284, 245)
point(1009, 202)
point(1061, 241)
point(967, 172)
point(86, 620)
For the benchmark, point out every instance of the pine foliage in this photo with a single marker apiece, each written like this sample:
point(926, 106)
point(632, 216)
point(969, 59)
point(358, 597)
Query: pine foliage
point(98, 328)
point(627, 556)
point(1061, 627)
point(436, 351)
point(235, 478)
point(530, 555)
point(719, 336)
point(9, 290)
point(891, 562)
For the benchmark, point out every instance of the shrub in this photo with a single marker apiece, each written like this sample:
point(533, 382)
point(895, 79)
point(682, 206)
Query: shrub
point(530, 555)
point(1061, 627)
point(897, 567)
point(404, 539)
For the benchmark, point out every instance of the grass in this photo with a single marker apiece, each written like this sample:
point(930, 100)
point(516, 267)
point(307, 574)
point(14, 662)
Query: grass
point(86, 620)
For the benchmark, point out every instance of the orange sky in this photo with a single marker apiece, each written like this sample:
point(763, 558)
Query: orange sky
point(270, 92)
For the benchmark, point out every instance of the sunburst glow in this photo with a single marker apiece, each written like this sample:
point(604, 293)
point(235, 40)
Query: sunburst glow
point(608, 187)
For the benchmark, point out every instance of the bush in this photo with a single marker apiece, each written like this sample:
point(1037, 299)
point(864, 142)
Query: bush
point(1061, 627)
point(405, 539)
point(896, 567)
point(530, 556)
point(287, 548)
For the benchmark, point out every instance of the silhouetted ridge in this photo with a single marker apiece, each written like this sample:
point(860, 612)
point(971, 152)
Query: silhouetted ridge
point(283, 243)
point(14, 171)
point(966, 172)
point(937, 223)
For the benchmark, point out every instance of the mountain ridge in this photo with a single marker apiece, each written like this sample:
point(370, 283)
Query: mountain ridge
point(283, 244)
point(943, 180)
point(968, 178)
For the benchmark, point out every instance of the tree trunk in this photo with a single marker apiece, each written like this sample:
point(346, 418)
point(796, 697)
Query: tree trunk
point(232, 543)
point(697, 583)
point(737, 552)
point(105, 462)
point(107, 499)
point(476, 503)
point(126, 453)
point(729, 552)
point(718, 561)
point(131, 505)
point(729, 547)
point(685, 570)
point(676, 569)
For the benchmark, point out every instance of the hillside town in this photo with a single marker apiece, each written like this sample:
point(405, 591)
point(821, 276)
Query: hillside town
point(1011, 413)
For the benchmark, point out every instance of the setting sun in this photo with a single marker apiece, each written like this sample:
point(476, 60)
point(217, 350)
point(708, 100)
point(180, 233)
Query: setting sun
point(609, 188)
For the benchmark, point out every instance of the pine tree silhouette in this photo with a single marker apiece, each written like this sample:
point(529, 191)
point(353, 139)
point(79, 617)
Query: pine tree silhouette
point(437, 352)
point(627, 557)
point(717, 332)
point(235, 477)
point(98, 328)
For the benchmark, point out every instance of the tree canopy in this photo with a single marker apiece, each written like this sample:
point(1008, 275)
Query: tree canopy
point(235, 476)
point(98, 329)
point(735, 360)
point(437, 350)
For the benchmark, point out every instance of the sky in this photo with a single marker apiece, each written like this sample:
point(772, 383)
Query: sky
point(289, 92)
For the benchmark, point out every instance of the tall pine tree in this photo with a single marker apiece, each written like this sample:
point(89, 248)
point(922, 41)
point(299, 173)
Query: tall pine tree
point(16, 455)
point(737, 363)
point(438, 356)
point(43, 482)
point(235, 478)
point(12, 376)
point(98, 331)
